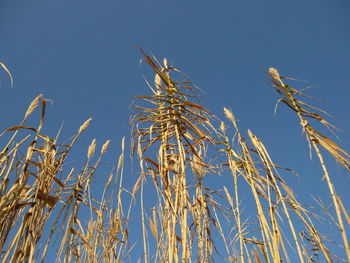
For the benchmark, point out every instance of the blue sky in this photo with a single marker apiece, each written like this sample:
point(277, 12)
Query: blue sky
point(82, 55)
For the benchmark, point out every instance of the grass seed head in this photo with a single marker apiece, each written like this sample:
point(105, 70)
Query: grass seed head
point(275, 75)
point(105, 146)
point(33, 105)
point(229, 114)
point(92, 148)
point(85, 125)
point(158, 82)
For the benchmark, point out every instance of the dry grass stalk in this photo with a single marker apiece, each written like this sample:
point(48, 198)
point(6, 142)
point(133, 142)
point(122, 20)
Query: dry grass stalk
point(8, 72)
point(272, 191)
point(179, 130)
point(315, 138)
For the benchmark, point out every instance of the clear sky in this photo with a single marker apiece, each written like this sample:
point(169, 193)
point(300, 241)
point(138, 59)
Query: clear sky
point(82, 56)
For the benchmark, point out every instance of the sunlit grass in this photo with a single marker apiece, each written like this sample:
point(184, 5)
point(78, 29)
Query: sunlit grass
point(176, 143)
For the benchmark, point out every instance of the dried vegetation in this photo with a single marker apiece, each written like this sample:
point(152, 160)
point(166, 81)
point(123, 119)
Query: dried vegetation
point(183, 157)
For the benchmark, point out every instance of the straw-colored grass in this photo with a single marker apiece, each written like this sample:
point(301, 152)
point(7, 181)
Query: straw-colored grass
point(184, 154)
point(41, 200)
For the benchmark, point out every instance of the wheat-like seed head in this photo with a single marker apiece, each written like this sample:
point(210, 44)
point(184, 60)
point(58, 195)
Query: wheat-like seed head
point(91, 149)
point(105, 146)
point(275, 75)
point(85, 125)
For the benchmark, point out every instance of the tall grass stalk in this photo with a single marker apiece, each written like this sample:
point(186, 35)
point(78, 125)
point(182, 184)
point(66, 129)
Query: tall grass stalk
point(316, 138)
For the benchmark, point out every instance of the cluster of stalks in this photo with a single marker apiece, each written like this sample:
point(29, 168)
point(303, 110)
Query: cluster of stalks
point(193, 216)
point(40, 200)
